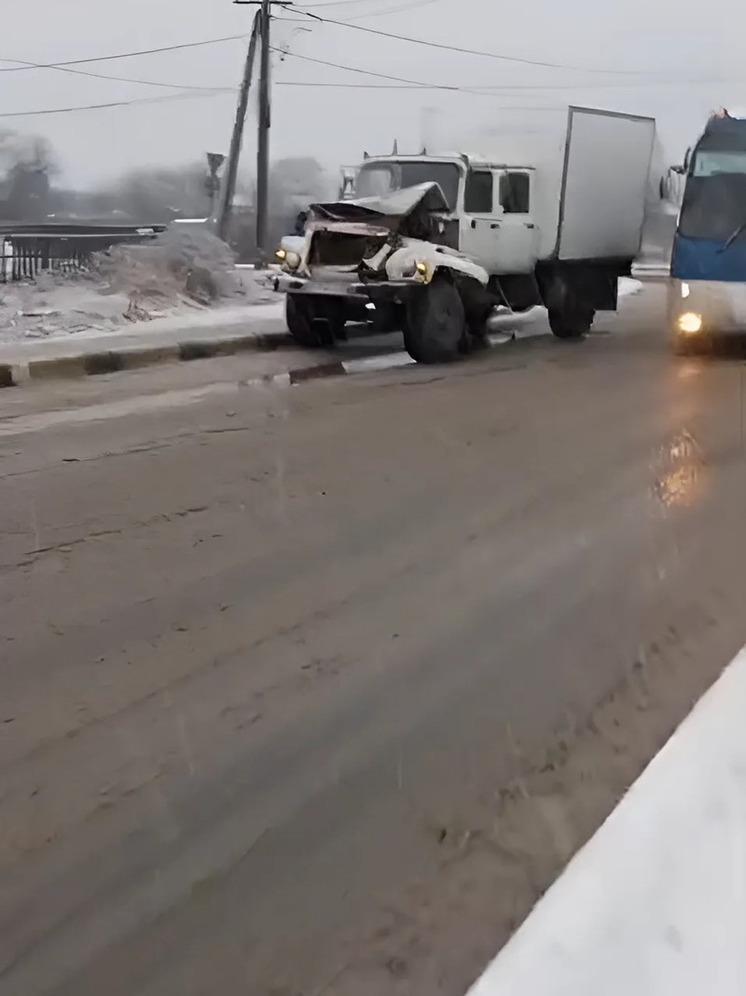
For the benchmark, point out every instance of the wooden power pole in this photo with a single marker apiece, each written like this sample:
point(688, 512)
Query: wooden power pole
point(261, 30)
point(231, 172)
point(262, 152)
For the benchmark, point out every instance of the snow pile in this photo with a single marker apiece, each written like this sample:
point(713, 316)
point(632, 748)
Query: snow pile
point(54, 306)
point(181, 263)
point(179, 272)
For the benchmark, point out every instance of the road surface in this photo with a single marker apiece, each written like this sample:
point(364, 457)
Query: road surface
point(313, 690)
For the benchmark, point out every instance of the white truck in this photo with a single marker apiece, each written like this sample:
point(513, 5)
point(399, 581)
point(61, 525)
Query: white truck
point(431, 244)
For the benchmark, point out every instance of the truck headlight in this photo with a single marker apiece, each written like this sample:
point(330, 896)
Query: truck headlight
point(290, 260)
point(419, 269)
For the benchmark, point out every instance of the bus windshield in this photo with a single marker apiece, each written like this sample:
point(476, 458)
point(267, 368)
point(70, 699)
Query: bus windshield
point(379, 178)
point(715, 163)
point(714, 203)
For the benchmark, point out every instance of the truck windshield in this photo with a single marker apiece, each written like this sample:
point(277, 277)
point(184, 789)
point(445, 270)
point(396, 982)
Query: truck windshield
point(379, 178)
point(714, 201)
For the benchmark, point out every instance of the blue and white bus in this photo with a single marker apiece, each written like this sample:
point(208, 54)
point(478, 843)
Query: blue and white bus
point(707, 292)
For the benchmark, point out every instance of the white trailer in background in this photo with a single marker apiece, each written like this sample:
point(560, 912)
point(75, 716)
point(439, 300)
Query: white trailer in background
point(553, 218)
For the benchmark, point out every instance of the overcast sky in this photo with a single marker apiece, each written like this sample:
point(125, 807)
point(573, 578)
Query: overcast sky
point(672, 44)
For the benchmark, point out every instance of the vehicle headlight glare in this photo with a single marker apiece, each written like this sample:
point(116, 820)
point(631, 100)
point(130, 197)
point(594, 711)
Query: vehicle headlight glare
point(690, 323)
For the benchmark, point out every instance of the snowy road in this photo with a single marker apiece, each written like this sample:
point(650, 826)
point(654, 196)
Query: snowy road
point(315, 690)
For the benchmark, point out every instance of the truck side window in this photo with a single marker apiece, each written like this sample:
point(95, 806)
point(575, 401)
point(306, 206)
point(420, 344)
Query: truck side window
point(478, 192)
point(514, 193)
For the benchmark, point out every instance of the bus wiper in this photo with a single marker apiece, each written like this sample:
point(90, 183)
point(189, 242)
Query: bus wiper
point(732, 237)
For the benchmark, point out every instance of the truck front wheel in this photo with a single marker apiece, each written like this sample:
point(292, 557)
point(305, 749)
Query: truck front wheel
point(571, 323)
point(436, 324)
point(309, 328)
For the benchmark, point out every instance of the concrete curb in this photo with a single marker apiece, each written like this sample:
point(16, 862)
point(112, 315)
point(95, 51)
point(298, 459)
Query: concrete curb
point(107, 361)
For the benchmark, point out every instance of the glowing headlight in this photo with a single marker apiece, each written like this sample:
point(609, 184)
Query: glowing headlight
point(418, 269)
point(690, 323)
point(685, 290)
point(289, 259)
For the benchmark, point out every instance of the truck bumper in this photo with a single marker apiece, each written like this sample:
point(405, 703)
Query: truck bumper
point(355, 294)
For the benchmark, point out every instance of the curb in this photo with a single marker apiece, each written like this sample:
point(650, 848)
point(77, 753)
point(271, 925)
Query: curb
point(133, 358)
point(109, 361)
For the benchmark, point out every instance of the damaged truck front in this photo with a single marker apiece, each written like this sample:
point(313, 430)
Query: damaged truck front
point(385, 260)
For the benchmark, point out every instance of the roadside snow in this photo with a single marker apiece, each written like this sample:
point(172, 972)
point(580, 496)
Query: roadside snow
point(182, 275)
point(655, 903)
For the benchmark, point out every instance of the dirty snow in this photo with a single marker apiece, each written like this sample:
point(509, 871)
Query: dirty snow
point(179, 274)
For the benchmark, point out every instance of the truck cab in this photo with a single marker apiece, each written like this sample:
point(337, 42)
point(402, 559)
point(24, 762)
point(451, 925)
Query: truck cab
point(491, 205)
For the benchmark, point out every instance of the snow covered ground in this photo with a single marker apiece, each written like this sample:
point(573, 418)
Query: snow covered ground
point(655, 903)
point(59, 307)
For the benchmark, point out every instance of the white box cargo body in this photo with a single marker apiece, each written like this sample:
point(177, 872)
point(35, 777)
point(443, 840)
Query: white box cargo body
point(591, 168)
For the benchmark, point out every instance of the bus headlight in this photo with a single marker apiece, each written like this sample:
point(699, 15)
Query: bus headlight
point(685, 290)
point(690, 323)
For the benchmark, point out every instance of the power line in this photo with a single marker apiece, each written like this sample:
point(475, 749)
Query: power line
point(118, 79)
point(393, 10)
point(464, 51)
point(497, 88)
point(114, 103)
point(364, 72)
point(25, 67)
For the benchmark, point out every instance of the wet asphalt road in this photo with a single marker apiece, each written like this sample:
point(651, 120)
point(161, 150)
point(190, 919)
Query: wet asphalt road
point(264, 651)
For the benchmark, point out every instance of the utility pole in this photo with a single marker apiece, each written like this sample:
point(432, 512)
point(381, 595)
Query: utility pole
point(231, 172)
point(262, 153)
point(261, 25)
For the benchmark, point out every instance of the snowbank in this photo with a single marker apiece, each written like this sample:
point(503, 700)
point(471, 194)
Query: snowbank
point(181, 272)
point(655, 903)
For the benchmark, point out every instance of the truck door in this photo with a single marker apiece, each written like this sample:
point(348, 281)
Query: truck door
point(518, 235)
point(479, 221)
point(497, 227)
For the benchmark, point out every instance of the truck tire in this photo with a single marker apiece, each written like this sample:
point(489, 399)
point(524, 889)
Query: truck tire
point(303, 325)
point(436, 325)
point(571, 324)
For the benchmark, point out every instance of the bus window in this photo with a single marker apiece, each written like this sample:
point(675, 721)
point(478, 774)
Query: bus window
point(715, 163)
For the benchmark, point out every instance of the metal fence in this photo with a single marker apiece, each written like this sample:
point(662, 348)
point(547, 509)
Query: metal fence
point(26, 254)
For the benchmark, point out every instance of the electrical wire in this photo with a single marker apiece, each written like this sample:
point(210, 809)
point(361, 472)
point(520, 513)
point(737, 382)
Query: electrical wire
point(463, 51)
point(119, 79)
point(364, 72)
point(393, 10)
point(25, 67)
point(113, 103)
point(501, 88)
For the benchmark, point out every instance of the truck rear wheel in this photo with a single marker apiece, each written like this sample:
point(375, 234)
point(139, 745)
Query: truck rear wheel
point(571, 323)
point(306, 325)
point(436, 324)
